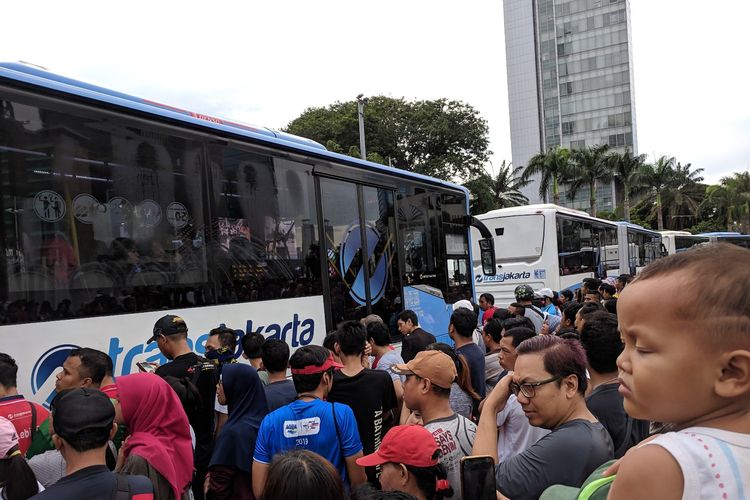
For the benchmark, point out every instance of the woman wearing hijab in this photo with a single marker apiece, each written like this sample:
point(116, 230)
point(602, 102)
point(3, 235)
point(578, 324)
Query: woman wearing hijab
point(229, 472)
point(159, 445)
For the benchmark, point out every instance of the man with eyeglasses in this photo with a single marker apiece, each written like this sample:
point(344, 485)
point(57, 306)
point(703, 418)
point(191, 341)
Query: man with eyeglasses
point(515, 433)
point(549, 382)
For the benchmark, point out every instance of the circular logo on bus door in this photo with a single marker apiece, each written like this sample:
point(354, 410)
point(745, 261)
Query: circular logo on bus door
point(177, 214)
point(85, 208)
point(352, 264)
point(49, 206)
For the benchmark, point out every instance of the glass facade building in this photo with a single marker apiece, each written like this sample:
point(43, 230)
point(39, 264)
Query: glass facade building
point(570, 82)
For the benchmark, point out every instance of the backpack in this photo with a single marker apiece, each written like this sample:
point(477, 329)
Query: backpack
point(595, 487)
point(122, 490)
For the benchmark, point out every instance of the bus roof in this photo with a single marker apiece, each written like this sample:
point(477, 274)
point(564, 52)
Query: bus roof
point(721, 233)
point(677, 233)
point(530, 209)
point(33, 76)
point(637, 227)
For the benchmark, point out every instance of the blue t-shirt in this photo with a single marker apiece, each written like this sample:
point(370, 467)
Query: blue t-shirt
point(310, 426)
point(550, 309)
point(475, 359)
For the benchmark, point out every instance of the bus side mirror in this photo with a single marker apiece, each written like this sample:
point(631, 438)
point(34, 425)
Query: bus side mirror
point(487, 255)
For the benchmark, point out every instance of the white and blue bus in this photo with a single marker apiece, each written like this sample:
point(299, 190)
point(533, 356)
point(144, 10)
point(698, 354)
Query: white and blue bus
point(680, 241)
point(742, 240)
point(117, 210)
point(557, 247)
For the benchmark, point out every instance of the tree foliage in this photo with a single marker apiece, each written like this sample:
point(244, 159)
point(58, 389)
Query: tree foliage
point(589, 166)
point(502, 191)
point(442, 138)
point(626, 168)
point(553, 167)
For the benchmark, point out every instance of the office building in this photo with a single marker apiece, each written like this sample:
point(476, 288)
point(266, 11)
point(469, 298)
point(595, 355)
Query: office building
point(570, 82)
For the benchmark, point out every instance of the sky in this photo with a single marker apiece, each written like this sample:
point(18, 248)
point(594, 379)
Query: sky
point(264, 63)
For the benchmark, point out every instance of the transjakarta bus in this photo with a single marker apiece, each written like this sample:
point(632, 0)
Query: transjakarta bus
point(117, 210)
point(679, 241)
point(556, 247)
point(742, 240)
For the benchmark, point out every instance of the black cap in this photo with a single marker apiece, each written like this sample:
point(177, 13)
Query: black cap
point(81, 409)
point(168, 325)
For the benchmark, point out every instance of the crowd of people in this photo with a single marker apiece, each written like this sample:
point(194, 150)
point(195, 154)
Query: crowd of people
point(648, 376)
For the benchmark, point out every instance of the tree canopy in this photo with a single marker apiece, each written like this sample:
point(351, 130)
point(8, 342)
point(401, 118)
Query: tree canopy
point(443, 138)
point(502, 191)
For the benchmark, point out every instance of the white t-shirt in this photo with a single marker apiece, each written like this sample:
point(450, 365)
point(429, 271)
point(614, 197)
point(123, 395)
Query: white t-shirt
point(455, 437)
point(515, 433)
point(389, 359)
point(714, 463)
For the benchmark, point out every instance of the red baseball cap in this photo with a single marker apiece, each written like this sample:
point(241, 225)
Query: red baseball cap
point(405, 444)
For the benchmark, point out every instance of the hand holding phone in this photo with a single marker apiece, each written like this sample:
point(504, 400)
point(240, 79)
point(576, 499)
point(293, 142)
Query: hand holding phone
point(147, 367)
point(478, 478)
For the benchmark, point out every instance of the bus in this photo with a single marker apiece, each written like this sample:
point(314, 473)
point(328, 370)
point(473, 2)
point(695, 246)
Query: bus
point(117, 210)
point(742, 240)
point(549, 246)
point(680, 241)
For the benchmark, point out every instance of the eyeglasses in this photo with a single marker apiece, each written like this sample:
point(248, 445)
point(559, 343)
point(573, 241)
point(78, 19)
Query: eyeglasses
point(529, 388)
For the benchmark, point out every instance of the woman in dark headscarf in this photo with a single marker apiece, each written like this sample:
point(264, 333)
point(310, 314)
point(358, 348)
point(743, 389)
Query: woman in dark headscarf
point(229, 472)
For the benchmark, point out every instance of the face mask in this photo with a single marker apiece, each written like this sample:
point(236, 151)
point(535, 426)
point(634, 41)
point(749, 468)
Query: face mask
point(221, 356)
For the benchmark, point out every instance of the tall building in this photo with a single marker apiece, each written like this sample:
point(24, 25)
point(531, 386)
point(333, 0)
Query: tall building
point(570, 82)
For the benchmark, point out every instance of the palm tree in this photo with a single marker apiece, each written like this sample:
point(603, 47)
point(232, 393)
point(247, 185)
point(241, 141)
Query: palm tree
point(590, 165)
point(658, 177)
point(731, 197)
point(553, 167)
point(506, 186)
point(502, 191)
point(627, 167)
point(684, 196)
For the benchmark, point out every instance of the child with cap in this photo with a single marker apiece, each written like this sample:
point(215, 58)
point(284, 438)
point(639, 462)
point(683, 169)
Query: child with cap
point(689, 366)
point(409, 457)
point(17, 480)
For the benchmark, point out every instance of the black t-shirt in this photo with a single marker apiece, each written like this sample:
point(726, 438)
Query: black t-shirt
point(280, 394)
point(96, 483)
point(605, 403)
point(202, 420)
point(370, 395)
point(415, 342)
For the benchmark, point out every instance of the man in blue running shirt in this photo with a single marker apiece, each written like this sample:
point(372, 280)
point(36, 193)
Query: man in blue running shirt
point(310, 422)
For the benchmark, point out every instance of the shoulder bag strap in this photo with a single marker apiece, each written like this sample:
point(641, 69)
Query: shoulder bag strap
point(33, 416)
point(336, 425)
point(122, 491)
point(626, 442)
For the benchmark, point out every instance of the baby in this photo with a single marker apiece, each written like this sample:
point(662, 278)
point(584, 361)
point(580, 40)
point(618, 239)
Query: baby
point(685, 323)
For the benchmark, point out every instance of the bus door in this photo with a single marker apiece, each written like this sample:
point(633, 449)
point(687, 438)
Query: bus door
point(359, 232)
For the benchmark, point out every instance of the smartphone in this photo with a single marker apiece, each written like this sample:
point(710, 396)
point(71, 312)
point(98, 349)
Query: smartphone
point(478, 478)
point(146, 367)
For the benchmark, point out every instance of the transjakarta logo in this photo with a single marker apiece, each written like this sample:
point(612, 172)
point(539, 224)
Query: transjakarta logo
point(499, 278)
point(46, 367)
point(296, 333)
